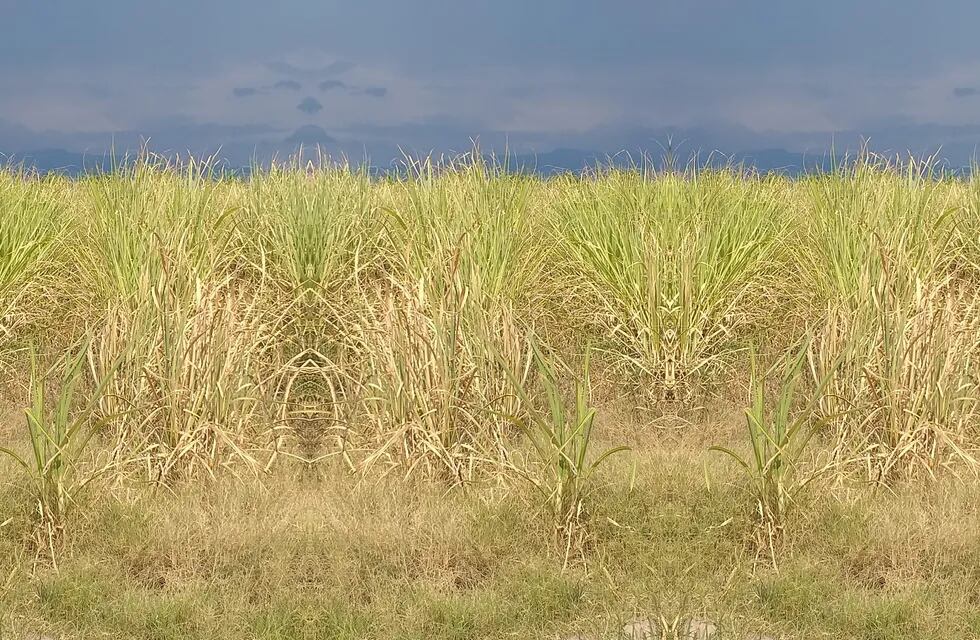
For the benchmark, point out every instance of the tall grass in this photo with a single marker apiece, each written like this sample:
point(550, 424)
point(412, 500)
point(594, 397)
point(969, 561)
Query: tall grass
point(907, 388)
point(29, 229)
point(174, 307)
point(312, 311)
point(674, 271)
point(149, 218)
point(898, 316)
point(452, 311)
point(192, 380)
point(316, 234)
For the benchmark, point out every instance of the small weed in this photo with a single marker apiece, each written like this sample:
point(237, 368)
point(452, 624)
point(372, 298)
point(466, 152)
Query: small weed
point(562, 439)
point(779, 440)
point(59, 436)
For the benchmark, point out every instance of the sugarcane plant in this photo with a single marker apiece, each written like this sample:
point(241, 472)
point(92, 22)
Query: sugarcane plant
point(779, 436)
point(60, 430)
point(561, 436)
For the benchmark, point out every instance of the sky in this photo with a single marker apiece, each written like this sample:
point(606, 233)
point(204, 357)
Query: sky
point(372, 78)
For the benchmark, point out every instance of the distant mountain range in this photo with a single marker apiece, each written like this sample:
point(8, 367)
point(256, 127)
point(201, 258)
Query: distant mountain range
point(549, 163)
point(58, 161)
point(763, 161)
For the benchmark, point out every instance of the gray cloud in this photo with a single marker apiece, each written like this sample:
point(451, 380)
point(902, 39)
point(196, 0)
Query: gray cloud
point(336, 68)
point(339, 67)
point(327, 85)
point(288, 85)
point(746, 75)
point(98, 91)
point(310, 105)
point(719, 33)
point(374, 92)
point(311, 135)
point(244, 92)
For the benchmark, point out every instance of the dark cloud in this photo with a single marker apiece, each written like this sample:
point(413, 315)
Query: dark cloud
point(310, 105)
point(374, 92)
point(336, 68)
point(327, 85)
point(288, 85)
point(98, 91)
point(310, 135)
point(730, 74)
point(286, 69)
point(639, 33)
point(339, 67)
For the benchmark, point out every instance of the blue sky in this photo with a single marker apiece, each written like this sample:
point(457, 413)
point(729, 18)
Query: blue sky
point(373, 76)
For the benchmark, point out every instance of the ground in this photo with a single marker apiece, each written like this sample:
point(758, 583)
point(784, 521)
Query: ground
point(332, 555)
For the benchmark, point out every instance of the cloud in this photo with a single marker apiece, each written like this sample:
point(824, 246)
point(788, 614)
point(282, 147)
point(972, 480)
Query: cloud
point(244, 92)
point(310, 105)
point(327, 85)
point(374, 92)
point(339, 67)
point(965, 92)
point(282, 85)
point(336, 68)
point(310, 135)
point(285, 68)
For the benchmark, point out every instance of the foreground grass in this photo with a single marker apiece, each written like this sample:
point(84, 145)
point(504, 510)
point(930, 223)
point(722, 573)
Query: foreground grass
point(376, 558)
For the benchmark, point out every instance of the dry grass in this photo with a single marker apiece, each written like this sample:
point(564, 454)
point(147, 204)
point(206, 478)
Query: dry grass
point(313, 422)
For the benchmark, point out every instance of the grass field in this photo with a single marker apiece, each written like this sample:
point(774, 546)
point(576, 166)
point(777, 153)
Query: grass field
point(475, 404)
